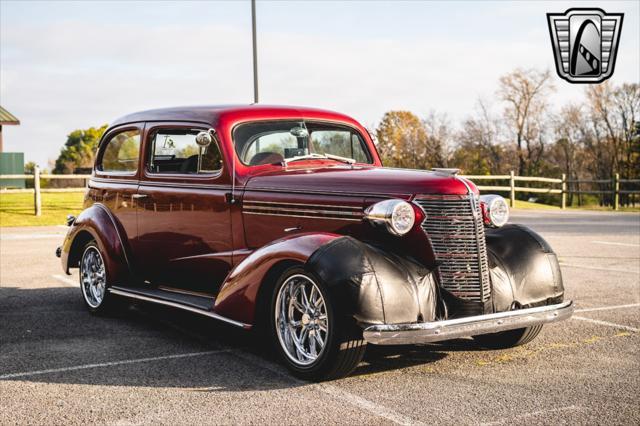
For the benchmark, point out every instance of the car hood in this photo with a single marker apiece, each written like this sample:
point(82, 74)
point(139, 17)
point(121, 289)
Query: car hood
point(361, 181)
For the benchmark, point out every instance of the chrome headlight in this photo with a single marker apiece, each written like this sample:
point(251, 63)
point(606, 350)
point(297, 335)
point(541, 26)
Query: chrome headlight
point(397, 215)
point(495, 210)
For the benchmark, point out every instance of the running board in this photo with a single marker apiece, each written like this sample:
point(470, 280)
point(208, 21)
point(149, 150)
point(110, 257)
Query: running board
point(179, 303)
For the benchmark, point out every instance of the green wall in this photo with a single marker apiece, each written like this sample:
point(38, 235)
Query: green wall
point(12, 163)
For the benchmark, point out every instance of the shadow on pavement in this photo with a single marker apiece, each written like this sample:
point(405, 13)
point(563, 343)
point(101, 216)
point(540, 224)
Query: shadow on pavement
point(49, 328)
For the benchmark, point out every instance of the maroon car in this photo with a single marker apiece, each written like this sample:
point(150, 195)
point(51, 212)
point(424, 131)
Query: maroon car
point(283, 220)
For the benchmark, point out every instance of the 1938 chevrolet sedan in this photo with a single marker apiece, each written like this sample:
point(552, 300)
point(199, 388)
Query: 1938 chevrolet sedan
point(283, 220)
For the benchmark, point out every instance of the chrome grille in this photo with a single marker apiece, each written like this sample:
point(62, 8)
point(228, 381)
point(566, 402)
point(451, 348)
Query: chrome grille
point(455, 227)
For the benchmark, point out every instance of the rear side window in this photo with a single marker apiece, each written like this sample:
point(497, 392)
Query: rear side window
point(121, 153)
point(176, 151)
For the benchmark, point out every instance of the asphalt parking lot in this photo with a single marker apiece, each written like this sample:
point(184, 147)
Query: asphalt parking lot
point(59, 365)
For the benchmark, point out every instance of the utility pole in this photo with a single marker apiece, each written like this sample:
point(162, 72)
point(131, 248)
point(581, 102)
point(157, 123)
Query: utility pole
point(255, 52)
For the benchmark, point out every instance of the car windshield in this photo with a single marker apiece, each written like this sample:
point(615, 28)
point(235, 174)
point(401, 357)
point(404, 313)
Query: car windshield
point(273, 142)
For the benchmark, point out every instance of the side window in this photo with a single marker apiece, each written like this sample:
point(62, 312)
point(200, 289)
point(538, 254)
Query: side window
point(176, 151)
point(121, 153)
point(339, 142)
point(268, 142)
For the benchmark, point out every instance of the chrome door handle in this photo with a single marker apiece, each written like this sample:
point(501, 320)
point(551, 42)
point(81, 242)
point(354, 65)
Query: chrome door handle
point(138, 196)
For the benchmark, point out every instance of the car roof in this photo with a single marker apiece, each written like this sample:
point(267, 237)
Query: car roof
point(211, 113)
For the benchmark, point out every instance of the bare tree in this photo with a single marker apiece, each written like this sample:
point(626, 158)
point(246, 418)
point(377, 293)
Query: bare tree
point(480, 149)
point(439, 134)
point(525, 95)
point(572, 133)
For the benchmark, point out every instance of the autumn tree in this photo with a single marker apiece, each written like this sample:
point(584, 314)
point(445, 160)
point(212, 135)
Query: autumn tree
point(405, 141)
point(524, 93)
point(79, 150)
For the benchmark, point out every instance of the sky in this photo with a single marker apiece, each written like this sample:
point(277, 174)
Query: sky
point(70, 65)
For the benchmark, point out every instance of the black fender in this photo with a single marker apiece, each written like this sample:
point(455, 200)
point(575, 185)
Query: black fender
point(373, 285)
point(524, 270)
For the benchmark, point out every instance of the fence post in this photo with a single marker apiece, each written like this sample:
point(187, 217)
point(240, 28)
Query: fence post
point(563, 196)
point(36, 191)
point(616, 193)
point(512, 184)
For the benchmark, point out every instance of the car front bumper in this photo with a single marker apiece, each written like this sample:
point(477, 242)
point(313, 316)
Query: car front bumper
point(426, 332)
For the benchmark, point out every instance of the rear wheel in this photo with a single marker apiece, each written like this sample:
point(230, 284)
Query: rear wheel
point(94, 279)
point(313, 338)
point(509, 338)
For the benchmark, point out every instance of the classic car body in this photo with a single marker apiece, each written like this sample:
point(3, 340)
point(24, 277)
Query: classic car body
point(222, 231)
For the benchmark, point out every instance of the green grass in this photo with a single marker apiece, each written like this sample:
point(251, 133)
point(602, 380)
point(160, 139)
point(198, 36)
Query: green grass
point(17, 209)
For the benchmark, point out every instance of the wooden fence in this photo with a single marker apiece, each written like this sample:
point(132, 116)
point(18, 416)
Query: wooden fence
point(560, 186)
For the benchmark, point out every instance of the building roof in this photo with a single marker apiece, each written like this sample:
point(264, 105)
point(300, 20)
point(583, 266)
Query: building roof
point(7, 118)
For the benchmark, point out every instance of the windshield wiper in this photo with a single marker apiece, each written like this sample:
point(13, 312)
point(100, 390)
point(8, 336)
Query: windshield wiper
point(316, 156)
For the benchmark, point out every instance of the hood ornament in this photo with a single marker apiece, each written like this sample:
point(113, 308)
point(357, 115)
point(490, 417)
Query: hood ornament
point(446, 171)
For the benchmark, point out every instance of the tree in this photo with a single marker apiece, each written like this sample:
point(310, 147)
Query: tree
point(480, 149)
point(399, 135)
point(439, 134)
point(79, 150)
point(405, 141)
point(29, 168)
point(524, 93)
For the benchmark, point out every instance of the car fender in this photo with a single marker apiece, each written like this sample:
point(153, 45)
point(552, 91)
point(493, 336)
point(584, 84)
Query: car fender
point(376, 286)
point(98, 222)
point(371, 285)
point(238, 295)
point(524, 269)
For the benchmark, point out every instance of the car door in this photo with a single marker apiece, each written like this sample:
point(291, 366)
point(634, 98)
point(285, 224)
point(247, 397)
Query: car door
point(114, 183)
point(184, 223)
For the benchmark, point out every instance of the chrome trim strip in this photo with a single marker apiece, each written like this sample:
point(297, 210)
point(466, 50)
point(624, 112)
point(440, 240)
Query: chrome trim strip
point(194, 185)
point(373, 194)
point(301, 204)
point(426, 332)
point(303, 216)
point(187, 292)
point(179, 306)
point(112, 180)
point(295, 210)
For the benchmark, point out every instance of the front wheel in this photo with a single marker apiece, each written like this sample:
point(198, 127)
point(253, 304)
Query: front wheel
point(509, 338)
point(94, 280)
point(315, 340)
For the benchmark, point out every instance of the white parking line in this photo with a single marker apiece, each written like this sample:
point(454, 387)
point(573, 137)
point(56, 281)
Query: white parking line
point(608, 308)
point(616, 244)
point(334, 391)
point(65, 280)
point(366, 405)
point(108, 364)
point(595, 268)
point(515, 419)
point(341, 394)
point(607, 323)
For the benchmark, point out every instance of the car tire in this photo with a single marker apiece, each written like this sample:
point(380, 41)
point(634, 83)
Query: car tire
point(293, 314)
point(508, 339)
point(94, 280)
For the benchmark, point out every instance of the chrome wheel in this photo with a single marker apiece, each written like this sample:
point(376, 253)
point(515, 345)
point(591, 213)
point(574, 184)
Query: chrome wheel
point(301, 319)
point(93, 277)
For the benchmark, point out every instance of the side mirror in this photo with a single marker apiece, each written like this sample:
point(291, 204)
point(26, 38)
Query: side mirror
point(204, 139)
